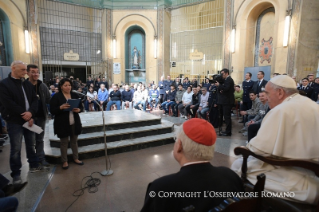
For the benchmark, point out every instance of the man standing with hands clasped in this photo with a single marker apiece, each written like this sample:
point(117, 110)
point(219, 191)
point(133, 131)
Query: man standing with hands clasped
point(18, 104)
point(40, 117)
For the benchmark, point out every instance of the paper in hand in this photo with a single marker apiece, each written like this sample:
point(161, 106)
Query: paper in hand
point(34, 128)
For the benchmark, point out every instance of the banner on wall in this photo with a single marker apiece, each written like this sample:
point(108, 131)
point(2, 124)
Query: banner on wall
point(116, 68)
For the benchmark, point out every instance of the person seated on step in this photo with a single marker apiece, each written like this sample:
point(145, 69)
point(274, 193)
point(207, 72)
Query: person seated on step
point(90, 96)
point(170, 99)
point(127, 96)
point(251, 113)
point(192, 108)
point(186, 100)
point(262, 111)
point(288, 131)
point(138, 99)
point(115, 98)
point(193, 150)
point(153, 96)
point(102, 96)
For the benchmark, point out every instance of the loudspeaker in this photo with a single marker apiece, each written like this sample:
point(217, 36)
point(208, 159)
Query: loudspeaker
point(47, 76)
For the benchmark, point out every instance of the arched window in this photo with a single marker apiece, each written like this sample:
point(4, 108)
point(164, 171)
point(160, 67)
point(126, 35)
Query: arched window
point(6, 56)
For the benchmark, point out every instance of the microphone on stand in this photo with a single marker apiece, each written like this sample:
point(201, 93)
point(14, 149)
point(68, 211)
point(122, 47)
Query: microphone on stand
point(107, 171)
point(77, 92)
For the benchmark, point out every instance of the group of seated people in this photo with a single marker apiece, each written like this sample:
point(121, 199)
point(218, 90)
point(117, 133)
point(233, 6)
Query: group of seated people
point(137, 96)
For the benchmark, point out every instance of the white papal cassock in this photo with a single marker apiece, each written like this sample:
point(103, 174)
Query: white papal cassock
point(290, 130)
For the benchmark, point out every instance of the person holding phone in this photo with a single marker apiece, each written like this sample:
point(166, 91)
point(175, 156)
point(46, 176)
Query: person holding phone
point(66, 123)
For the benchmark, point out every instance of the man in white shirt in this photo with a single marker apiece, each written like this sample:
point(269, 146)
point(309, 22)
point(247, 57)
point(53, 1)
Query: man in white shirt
point(203, 106)
point(187, 99)
point(290, 131)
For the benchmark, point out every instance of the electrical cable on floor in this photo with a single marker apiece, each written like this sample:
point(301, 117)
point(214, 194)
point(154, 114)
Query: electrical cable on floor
point(91, 184)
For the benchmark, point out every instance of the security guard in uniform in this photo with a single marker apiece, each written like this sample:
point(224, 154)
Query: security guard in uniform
point(247, 87)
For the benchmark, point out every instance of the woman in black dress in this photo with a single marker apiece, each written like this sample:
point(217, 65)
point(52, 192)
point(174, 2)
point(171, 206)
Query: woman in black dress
point(66, 123)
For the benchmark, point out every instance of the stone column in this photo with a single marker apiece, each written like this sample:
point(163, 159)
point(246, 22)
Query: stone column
point(34, 33)
point(293, 38)
point(160, 43)
point(109, 46)
point(227, 33)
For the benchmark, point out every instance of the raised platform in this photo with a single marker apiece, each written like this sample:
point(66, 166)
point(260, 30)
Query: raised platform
point(126, 130)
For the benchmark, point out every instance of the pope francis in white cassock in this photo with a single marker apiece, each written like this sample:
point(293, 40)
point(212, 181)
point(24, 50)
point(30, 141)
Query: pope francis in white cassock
point(289, 130)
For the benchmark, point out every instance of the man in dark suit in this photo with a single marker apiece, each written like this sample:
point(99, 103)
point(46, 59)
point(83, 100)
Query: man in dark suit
point(315, 90)
point(226, 100)
point(306, 88)
point(247, 87)
point(311, 79)
point(261, 82)
point(193, 149)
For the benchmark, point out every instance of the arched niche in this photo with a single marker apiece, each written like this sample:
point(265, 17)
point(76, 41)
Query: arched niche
point(6, 53)
point(135, 55)
point(253, 38)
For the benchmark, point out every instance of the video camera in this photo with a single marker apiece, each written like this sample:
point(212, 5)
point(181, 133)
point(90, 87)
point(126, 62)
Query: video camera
point(219, 78)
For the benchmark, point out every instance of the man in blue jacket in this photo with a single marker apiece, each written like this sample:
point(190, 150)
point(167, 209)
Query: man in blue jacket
point(18, 105)
point(102, 96)
point(170, 99)
point(153, 95)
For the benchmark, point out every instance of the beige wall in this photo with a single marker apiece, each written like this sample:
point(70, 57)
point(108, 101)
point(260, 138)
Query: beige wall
point(267, 28)
point(308, 42)
point(144, 23)
point(246, 20)
point(17, 27)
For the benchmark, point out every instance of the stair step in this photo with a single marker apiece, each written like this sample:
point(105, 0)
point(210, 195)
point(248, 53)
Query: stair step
point(53, 154)
point(114, 120)
point(118, 135)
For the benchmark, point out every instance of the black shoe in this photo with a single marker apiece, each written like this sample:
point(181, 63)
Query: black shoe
point(225, 134)
point(10, 189)
point(81, 164)
point(240, 122)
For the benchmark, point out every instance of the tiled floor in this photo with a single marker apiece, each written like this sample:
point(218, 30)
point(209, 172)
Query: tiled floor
point(122, 191)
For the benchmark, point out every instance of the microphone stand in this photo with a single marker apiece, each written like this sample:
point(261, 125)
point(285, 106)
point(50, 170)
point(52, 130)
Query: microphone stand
point(107, 171)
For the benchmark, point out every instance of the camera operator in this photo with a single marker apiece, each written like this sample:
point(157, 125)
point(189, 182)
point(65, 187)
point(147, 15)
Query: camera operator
point(225, 100)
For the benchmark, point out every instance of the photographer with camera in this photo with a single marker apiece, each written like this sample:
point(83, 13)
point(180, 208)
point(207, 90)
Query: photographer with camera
point(226, 100)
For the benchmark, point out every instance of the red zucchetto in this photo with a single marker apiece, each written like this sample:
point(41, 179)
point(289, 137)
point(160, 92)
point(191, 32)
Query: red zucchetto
point(200, 131)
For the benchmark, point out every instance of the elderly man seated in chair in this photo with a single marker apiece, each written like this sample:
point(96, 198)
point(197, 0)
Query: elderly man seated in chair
point(289, 130)
point(193, 150)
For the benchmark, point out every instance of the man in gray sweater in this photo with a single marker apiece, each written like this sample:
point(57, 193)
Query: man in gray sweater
point(262, 109)
point(178, 99)
point(251, 113)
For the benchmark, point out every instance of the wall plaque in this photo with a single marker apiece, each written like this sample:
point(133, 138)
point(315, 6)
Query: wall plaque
point(71, 56)
point(196, 55)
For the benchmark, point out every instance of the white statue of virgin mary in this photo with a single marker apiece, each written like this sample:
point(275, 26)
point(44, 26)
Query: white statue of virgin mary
point(135, 57)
